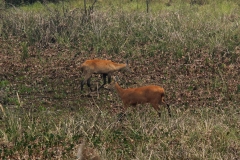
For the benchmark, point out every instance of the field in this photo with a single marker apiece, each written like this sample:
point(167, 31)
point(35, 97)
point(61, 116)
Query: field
point(191, 50)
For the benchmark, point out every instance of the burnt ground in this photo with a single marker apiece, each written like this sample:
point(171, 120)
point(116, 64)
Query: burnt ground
point(49, 77)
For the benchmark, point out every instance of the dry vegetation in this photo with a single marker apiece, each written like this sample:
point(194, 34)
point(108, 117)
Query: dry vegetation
point(193, 52)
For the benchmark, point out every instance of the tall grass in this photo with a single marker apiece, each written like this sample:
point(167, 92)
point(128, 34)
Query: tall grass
point(200, 133)
point(177, 30)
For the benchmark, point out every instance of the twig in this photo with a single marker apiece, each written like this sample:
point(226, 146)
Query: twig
point(4, 114)
point(19, 101)
point(97, 92)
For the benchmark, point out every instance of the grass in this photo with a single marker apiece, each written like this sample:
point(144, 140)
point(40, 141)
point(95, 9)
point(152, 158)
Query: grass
point(201, 133)
point(189, 27)
point(192, 51)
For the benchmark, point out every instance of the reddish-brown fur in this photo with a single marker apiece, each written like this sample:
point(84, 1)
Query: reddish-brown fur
point(148, 94)
point(98, 66)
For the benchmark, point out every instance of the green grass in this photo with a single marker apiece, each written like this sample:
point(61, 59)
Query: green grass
point(204, 133)
point(210, 26)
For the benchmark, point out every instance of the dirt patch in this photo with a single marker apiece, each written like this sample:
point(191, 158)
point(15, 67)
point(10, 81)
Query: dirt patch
point(50, 77)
